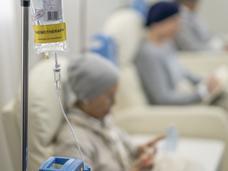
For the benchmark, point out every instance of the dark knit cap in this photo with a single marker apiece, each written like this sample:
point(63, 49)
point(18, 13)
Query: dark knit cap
point(161, 11)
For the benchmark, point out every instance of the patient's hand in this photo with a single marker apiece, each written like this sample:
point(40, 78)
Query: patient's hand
point(214, 84)
point(226, 48)
point(146, 155)
point(151, 144)
point(145, 161)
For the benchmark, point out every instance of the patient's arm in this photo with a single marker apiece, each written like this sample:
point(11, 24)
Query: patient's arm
point(128, 143)
point(158, 88)
point(193, 78)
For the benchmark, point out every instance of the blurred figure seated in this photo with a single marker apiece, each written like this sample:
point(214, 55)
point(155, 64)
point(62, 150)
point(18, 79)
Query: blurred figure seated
point(163, 78)
point(94, 81)
point(194, 34)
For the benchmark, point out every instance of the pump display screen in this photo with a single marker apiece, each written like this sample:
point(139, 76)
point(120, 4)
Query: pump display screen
point(56, 166)
point(59, 166)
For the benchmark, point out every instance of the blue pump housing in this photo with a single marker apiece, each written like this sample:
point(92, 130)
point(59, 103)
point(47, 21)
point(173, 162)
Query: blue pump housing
point(107, 48)
point(64, 164)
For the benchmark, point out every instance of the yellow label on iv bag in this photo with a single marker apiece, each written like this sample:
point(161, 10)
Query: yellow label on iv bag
point(52, 33)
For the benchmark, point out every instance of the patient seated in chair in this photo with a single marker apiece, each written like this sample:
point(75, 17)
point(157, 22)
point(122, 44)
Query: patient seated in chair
point(164, 79)
point(94, 81)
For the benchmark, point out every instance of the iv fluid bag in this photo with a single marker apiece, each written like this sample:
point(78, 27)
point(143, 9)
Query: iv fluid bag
point(48, 25)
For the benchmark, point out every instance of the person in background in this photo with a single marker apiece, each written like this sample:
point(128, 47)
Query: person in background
point(160, 72)
point(94, 81)
point(194, 34)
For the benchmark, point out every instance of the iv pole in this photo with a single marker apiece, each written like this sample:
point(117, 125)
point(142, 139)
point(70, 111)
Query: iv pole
point(25, 4)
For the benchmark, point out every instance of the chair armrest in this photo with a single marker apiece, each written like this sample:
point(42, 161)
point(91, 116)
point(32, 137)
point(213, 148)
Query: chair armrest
point(192, 121)
point(203, 63)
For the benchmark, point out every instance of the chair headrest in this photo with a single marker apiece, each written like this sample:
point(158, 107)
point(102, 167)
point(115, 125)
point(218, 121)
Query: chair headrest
point(126, 28)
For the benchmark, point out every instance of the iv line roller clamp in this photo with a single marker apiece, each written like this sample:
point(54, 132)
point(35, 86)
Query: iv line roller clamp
point(25, 4)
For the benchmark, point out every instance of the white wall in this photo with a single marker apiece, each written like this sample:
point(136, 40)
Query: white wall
point(96, 13)
point(215, 13)
point(9, 51)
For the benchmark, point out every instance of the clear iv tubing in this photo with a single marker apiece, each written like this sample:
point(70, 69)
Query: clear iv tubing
point(57, 76)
